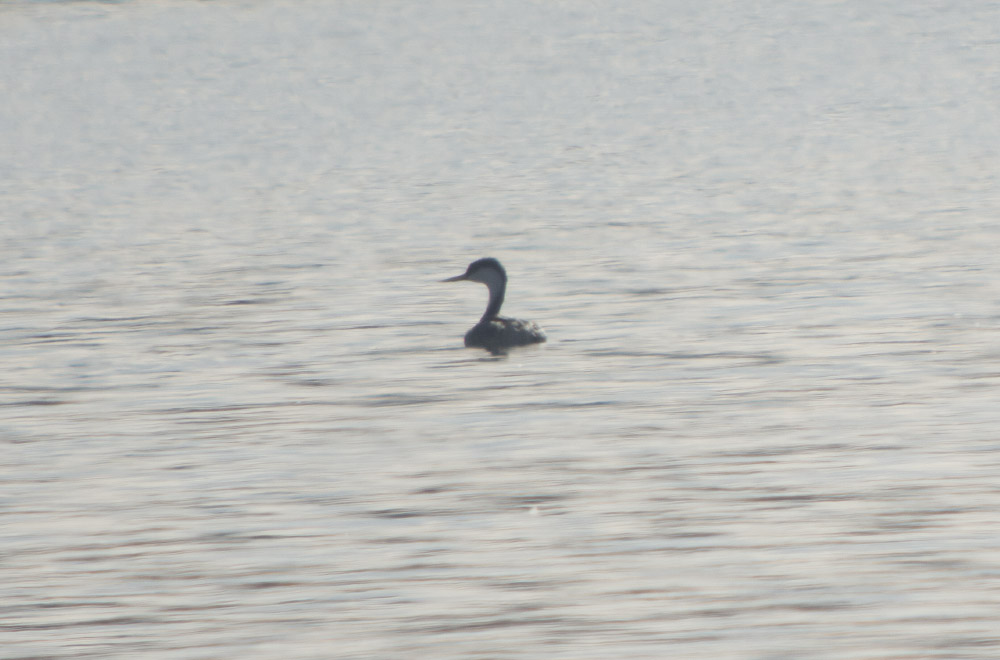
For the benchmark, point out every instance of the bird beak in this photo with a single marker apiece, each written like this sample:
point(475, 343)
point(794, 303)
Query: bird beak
point(457, 278)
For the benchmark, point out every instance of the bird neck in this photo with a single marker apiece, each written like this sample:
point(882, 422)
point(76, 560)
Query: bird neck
point(497, 287)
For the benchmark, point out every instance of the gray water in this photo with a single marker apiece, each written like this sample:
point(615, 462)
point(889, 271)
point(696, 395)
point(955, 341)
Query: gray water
point(237, 419)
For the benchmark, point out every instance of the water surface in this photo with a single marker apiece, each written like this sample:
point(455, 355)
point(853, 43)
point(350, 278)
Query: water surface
point(237, 418)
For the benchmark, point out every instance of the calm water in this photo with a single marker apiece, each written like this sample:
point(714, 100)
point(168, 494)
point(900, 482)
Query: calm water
point(236, 417)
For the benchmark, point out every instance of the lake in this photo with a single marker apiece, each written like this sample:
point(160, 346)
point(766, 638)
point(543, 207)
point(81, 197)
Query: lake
point(236, 416)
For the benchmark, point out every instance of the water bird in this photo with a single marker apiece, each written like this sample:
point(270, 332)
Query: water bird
point(496, 333)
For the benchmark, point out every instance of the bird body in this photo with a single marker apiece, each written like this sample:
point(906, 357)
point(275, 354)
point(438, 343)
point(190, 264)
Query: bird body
point(502, 332)
point(496, 333)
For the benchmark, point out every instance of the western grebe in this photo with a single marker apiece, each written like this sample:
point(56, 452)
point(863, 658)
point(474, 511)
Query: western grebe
point(496, 333)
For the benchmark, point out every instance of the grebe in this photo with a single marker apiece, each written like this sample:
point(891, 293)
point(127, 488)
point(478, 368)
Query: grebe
point(496, 333)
